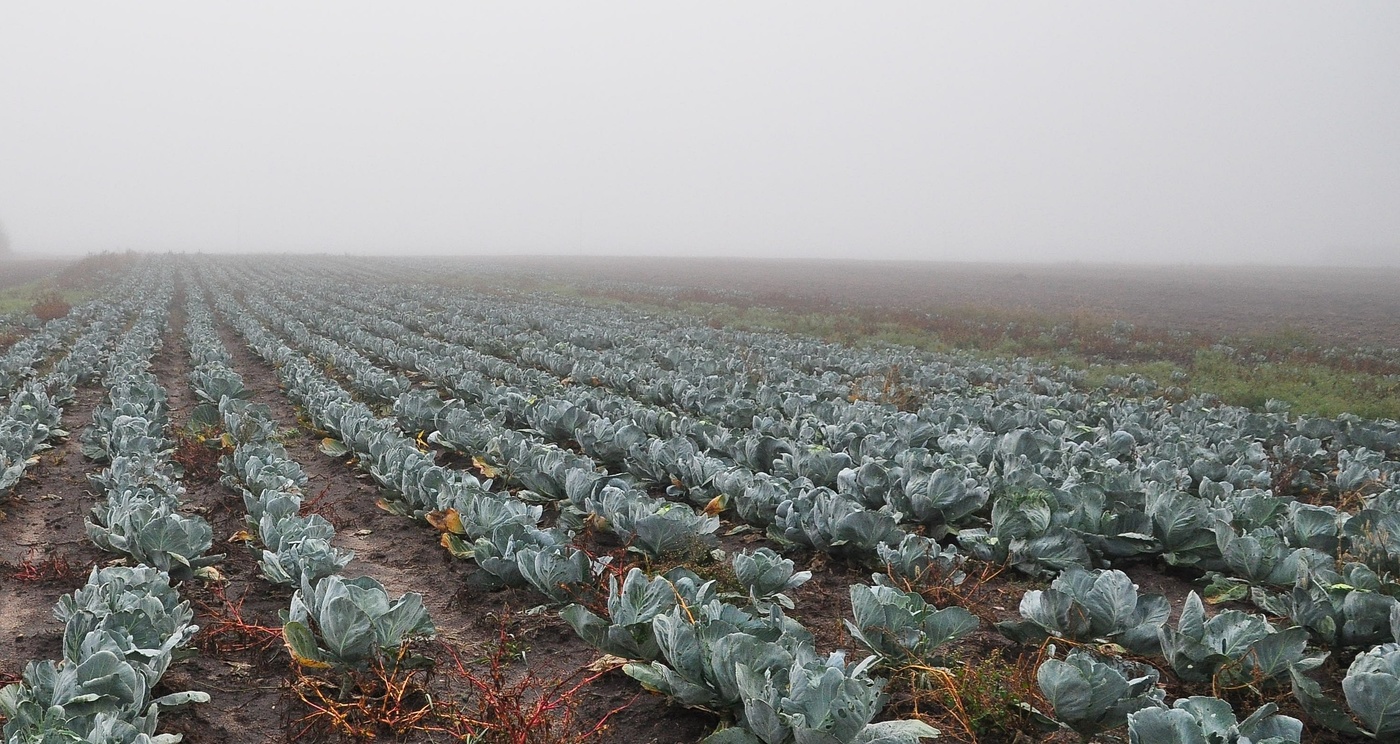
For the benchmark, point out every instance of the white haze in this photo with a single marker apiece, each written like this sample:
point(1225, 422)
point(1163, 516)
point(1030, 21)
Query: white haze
point(1199, 132)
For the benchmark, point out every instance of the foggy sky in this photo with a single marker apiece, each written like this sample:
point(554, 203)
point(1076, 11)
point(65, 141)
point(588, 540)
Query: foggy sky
point(1107, 131)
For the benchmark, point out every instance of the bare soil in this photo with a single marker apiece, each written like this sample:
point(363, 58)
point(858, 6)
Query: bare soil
point(1350, 305)
point(45, 552)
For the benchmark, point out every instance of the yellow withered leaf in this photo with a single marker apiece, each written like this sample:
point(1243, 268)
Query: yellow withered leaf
point(607, 663)
point(484, 467)
point(309, 663)
point(334, 447)
point(448, 521)
point(302, 645)
point(454, 522)
point(455, 545)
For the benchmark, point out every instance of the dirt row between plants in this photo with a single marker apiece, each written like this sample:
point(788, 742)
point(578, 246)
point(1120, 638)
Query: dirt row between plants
point(45, 552)
point(245, 699)
point(248, 686)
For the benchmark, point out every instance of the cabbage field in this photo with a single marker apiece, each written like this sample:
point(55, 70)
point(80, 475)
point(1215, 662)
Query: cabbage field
point(335, 499)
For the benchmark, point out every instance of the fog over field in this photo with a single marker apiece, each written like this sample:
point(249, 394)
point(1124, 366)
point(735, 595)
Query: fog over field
point(1187, 132)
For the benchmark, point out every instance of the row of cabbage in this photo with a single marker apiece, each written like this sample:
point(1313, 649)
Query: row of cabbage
point(585, 493)
point(1153, 490)
point(332, 621)
point(25, 356)
point(1119, 333)
point(1355, 468)
point(294, 548)
point(1243, 548)
point(141, 516)
point(1308, 534)
point(29, 420)
point(32, 409)
point(122, 629)
point(789, 670)
point(544, 468)
point(900, 627)
point(32, 413)
point(18, 322)
point(857, 603)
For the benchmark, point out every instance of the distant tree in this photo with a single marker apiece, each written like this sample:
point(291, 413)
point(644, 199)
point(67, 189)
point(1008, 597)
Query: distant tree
point(4, 242)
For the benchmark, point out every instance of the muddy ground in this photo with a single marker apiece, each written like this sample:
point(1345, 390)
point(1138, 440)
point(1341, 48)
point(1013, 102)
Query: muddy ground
point(46, 552)
point(1354, 306)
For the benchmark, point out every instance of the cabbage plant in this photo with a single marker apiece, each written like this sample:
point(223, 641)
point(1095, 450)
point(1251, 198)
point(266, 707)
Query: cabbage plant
point(1025, 533)
point(1262, 556)
point(1184, 525)
point(941, 499)
point(120, 633)
point(1087, 606)
point(627, 631)
point(1207, 720)
point(766, 575)
point(100, 698)
point(212, 383)
point(1348, 609)
point(560, 572)
point(350, 622)
point(799, 697)
point(1091, 694)
point(827, 521)
point(901, 627)
point(497, 553)
point(299, 548)
point(134, 610)
point(653, 527)
point(12, 467)
point(1372, 688)
point(918, 561)
point(1233, 648)
point(700, 647)
point(152, 533)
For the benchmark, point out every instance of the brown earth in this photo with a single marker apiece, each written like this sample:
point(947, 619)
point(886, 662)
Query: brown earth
point(244, 687)
point(45, 551)
point(1353, 306)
